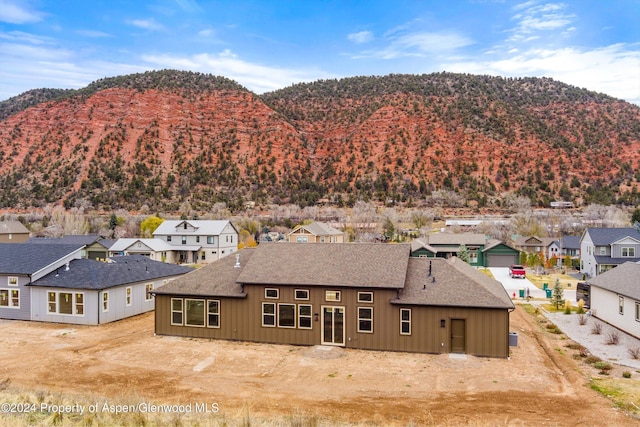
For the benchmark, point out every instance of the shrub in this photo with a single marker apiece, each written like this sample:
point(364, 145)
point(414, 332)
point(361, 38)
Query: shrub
point(592, 359)
point(567, 307)
point(596, 328)
point(613, 338)
point(626, 374)
point(604, 367)
point(582, 319)
point(553, 328)
point(580, 307)
point(634, 352)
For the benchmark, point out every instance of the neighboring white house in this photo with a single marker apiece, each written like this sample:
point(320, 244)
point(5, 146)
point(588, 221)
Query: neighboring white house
point(198, 241)
point(601, 249)
point(615, 297)
point(155, 249)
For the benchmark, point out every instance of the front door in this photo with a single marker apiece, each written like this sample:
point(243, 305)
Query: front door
point(458, 336)
point(332, 325)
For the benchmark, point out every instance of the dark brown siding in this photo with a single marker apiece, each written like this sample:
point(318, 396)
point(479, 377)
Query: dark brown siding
point(486, 334)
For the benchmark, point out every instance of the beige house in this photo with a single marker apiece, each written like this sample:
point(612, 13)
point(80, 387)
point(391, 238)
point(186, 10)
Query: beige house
point(316, 232)
point(13, 232)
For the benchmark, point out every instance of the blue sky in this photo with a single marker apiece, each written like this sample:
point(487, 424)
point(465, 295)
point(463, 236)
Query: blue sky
point(270, 44)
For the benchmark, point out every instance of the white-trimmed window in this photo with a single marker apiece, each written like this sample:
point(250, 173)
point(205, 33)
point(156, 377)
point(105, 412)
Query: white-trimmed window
point(12, 281)
point(10, 298)
point(213, 313)
point(365, 319)
point(629, 252)
point(105, 301)
point(638, 312)
point(405, 321)
point(304, 316)
point(211, 240)
point(286, 315)
point(603, 250)
point(176, 311)
point(52, 306)
point(272, 293)
point(473, 256)
point(68, 303)
point(302, 239)
point(184, 240)
point(194, 312)
point(365, 297)
point(168, 238)
point(269, 314)
point(148, 288)
point(128, 297)
point(621, 304)
point(301, 294)
point(332, 296)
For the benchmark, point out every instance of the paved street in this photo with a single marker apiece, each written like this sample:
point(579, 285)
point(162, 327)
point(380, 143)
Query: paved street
point(513, 286)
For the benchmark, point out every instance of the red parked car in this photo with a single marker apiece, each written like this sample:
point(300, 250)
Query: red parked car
point(517, 270)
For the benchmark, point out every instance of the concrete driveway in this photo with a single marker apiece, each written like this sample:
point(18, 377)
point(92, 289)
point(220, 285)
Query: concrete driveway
point(513, 286)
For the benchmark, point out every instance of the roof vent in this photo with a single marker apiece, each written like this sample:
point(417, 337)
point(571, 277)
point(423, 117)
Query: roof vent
point(433, 280)
point(66, 267)
point(429, 269)
point(237, 261)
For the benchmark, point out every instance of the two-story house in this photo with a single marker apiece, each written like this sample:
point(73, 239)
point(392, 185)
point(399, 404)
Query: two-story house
point(548, 246)
point(601, 249)
point(198, 241)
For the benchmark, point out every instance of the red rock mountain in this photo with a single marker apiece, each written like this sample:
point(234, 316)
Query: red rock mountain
point(160, 138)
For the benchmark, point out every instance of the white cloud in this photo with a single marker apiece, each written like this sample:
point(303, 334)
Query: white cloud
point(93, 33)
point(255, 77)
point(612, 70)
point(532, 17)
point(18, 13)
point(360, 37)
point(147, 24)
point(418, 44)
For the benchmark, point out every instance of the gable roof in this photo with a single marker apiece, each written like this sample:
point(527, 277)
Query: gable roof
point(157, 245)
point(570, 242)
point(97, 275)
point(456, 284)
point(203, 227)
point(606, 236)
point(29, 258)
point(72, 239)
point(535, 241)
point(13, 227)
point(456, 239)
point(622, 280)
point(318, 229)
point(218, 279)
point(372, 265)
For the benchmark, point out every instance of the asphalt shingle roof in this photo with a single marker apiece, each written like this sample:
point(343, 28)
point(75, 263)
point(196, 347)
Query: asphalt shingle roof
point(72, 239)
point(623, 280)
point(456, 284)
point(372, 265)
point(29, 258)
point(203, 227)
point(97, 275)
point(607, 236)
point(218, 279)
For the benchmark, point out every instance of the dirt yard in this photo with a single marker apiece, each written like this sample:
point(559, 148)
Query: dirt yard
point(541, 384)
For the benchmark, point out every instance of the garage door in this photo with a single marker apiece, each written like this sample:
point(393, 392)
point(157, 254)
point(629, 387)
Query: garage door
point(495, 260)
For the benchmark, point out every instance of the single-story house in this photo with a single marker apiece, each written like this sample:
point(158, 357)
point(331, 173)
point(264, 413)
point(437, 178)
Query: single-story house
point(615, 297)
point(601, 249)
point(90, 292)
point(155, 249)
point(316, 232)
point(482, 252)
point(13, 232)
point(22, 264)
point(353, 295)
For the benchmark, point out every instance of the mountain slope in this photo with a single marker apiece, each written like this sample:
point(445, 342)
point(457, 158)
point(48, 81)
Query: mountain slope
point(161, 138)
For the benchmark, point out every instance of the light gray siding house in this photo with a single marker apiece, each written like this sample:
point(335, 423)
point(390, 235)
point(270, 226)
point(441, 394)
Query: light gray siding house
point(199, 241)
point(90, 292)
point(155, 249)
point(23, 263)
point(601, 249)
point(615, 297)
